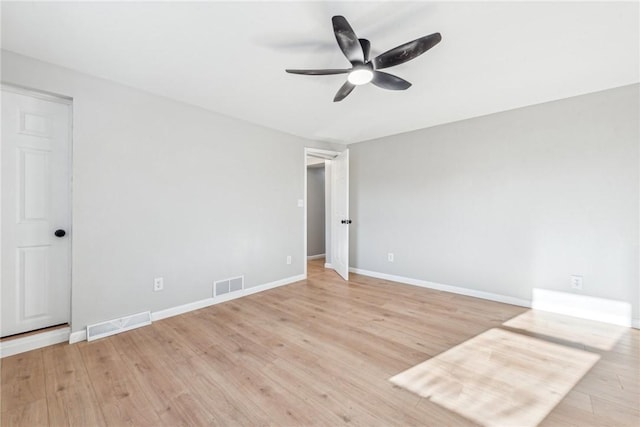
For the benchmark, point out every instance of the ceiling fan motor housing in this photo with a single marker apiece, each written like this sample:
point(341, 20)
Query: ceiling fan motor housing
point(362, 69)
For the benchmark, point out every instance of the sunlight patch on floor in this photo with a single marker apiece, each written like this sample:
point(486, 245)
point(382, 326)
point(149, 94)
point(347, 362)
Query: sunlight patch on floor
point(594, 334)
point(499, 378)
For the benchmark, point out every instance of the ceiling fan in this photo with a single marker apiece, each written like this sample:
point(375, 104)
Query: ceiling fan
point(364, 70)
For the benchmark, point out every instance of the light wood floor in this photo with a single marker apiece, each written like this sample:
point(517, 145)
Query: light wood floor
point(317, 352)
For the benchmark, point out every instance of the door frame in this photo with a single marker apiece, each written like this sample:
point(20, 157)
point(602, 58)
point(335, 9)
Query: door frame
point(328, 154)
point(60, 99)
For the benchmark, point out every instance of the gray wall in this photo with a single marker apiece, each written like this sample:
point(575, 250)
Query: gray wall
point(315, 210)
point(165, 189)
point(508, 202)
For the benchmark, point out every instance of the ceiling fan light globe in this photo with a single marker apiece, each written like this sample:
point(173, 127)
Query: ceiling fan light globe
point(360, 76)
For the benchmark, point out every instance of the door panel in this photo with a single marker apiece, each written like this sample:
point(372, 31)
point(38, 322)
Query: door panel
point(33, 183)
point(32, 281)
point(340, 208)
point(36, 184)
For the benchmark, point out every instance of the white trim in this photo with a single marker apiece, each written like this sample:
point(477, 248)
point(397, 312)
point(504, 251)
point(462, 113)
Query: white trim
point(44, 339)
point(328, 265)
point(78, 336)
point(32, 342)
point(275, 284)
point(582, 306)
point(34, 93)
point(308, 150)
point(185, 308)
point(310, 257)
point(635, 323)
point(304, 211)
point(446, 288)
point(324, 153)
point(196, 305)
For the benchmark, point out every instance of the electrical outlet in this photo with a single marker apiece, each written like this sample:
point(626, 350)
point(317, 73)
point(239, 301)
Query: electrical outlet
point(390, 257)
point(288, 259)
point(576, 282)
point(158, 284)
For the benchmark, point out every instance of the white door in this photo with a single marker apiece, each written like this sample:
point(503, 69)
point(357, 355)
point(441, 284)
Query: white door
point(36, 211)
point(340, 214)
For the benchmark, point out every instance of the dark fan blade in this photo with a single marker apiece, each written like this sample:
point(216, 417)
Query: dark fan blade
point(389, 81)
point(343, 91)
point(366, 48)
point(347, 40)
point(318, 72)
point(406, 52)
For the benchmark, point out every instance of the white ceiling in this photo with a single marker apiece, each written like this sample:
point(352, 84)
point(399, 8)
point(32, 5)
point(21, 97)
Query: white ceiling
point(230, 57)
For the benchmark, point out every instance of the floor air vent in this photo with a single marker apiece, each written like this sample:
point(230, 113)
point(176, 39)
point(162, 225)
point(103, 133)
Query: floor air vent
point(115, 326)
point(226, 286)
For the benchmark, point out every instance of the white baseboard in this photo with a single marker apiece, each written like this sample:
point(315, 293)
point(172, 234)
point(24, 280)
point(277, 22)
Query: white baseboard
point(196, 305)
point(447, 288)
point(328, 265)
point(583, 306)
point(185, 308)
point(591, 314)
point(78, 336)
point(310, 257)
point(32, 342)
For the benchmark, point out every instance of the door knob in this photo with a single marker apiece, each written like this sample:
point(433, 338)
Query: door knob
point(60, 233)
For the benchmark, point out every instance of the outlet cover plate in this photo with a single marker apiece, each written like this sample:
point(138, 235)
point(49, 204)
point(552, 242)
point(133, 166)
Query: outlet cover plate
point(576, 282)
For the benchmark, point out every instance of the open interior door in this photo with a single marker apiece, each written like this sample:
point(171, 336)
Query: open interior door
point(340, 214)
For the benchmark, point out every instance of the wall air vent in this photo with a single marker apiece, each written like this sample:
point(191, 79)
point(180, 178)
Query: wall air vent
point(115, 326)
point(226, 286)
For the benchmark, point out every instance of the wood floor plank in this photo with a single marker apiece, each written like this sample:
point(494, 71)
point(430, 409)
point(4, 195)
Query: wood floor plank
point(316, 352)
point(70, 395)
point(624, 415)
point(33, 414)
point(608, 387)
point(120, 397)
point(365, 379)
point(320, 392)
point(369, 347)
point(22, 380)
point(184, 410)
point(225, 404)
point(157, 380)
point(249, 383)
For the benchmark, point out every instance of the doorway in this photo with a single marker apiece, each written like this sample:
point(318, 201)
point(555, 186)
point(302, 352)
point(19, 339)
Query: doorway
point(36, 210)
point(335, 168)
